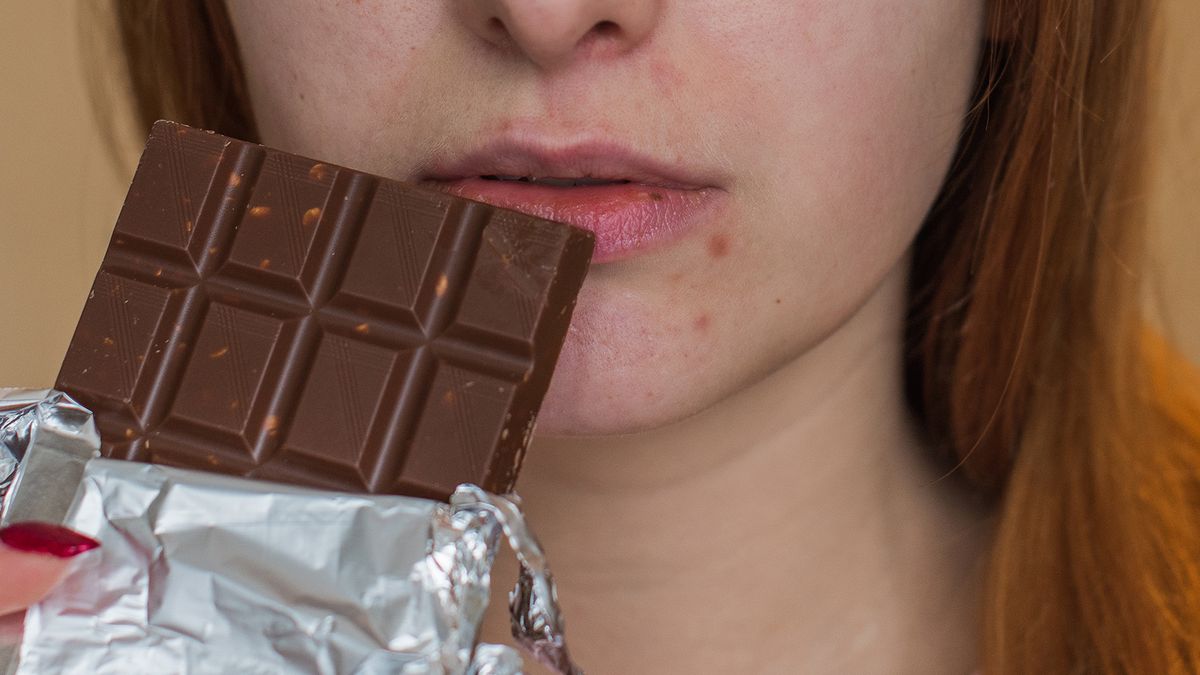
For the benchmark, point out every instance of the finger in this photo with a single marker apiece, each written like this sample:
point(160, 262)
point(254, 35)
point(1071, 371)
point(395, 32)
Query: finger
point(34, 557)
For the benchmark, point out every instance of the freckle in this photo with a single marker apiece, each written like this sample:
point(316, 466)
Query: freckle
point(777, 301)
point(700, 323)
point(301, 96)
point(654, 196)
point(718, 245)
point(676, 276)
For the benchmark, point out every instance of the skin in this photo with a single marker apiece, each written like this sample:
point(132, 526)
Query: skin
point(38, 574)
point(724, 473)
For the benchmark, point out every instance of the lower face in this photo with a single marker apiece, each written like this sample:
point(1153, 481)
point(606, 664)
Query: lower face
point(817, 135)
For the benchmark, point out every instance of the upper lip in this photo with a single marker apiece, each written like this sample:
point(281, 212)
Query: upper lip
point(597, 158)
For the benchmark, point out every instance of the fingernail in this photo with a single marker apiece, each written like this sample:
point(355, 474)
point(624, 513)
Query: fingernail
point(55, 540)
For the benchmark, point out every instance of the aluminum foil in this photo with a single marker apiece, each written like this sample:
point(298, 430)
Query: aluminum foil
point(52, 436)
point(203, 573)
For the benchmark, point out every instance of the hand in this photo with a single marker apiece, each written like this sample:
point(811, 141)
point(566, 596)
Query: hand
point(34, 556)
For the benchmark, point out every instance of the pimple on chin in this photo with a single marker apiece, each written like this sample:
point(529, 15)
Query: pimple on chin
point(718, 245)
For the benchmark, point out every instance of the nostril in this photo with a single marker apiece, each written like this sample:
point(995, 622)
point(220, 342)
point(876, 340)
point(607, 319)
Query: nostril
point(496, 26)
point(606, 27)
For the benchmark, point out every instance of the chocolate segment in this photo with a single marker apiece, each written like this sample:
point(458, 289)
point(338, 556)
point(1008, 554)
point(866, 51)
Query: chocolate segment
point(267, 315)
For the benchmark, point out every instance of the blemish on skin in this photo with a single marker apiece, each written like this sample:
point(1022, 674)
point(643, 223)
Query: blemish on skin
point(654, 196)
point(718, 245)
point(676, 277)
point(777, 301)
point(700, 323)
point(666, 76)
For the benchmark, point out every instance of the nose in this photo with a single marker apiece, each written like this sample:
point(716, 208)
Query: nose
point(551, 33)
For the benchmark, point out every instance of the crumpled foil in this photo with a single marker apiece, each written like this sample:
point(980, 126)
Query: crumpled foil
point(52, 436)
point(205, 573)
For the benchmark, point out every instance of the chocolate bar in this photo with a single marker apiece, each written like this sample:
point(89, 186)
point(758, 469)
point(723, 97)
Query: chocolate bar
point(266, 315)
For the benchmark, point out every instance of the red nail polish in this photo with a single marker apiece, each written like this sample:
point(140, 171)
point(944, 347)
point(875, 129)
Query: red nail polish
point(54, 540)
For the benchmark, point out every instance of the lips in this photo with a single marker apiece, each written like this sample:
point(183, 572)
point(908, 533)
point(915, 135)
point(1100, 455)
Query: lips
point(631, 202)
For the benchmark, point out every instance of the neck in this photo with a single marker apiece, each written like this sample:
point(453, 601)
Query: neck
point(795, 525)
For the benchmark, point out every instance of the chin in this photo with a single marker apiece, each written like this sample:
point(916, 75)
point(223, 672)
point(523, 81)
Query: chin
point(601, 392)
point(595, 410)
point(630, 362)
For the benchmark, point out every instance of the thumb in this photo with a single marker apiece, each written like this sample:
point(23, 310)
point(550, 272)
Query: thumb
point(34, 557)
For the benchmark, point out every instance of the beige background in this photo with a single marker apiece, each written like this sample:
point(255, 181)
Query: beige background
point(61, 188)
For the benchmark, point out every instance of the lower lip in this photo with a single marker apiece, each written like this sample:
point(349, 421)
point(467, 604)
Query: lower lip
point(627, 218)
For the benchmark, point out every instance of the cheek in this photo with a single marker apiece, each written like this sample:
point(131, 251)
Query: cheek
point(863, 117)
point(326, 78)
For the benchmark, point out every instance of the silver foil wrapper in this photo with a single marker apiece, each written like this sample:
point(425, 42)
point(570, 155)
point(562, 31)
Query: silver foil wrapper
point(204, 573)
point(51, 437)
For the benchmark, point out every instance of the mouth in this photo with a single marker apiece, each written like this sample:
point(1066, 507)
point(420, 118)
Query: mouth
point(557, 182)
point(630, 202)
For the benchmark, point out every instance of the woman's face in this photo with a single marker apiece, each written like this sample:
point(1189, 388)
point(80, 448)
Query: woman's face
point(780, 156)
